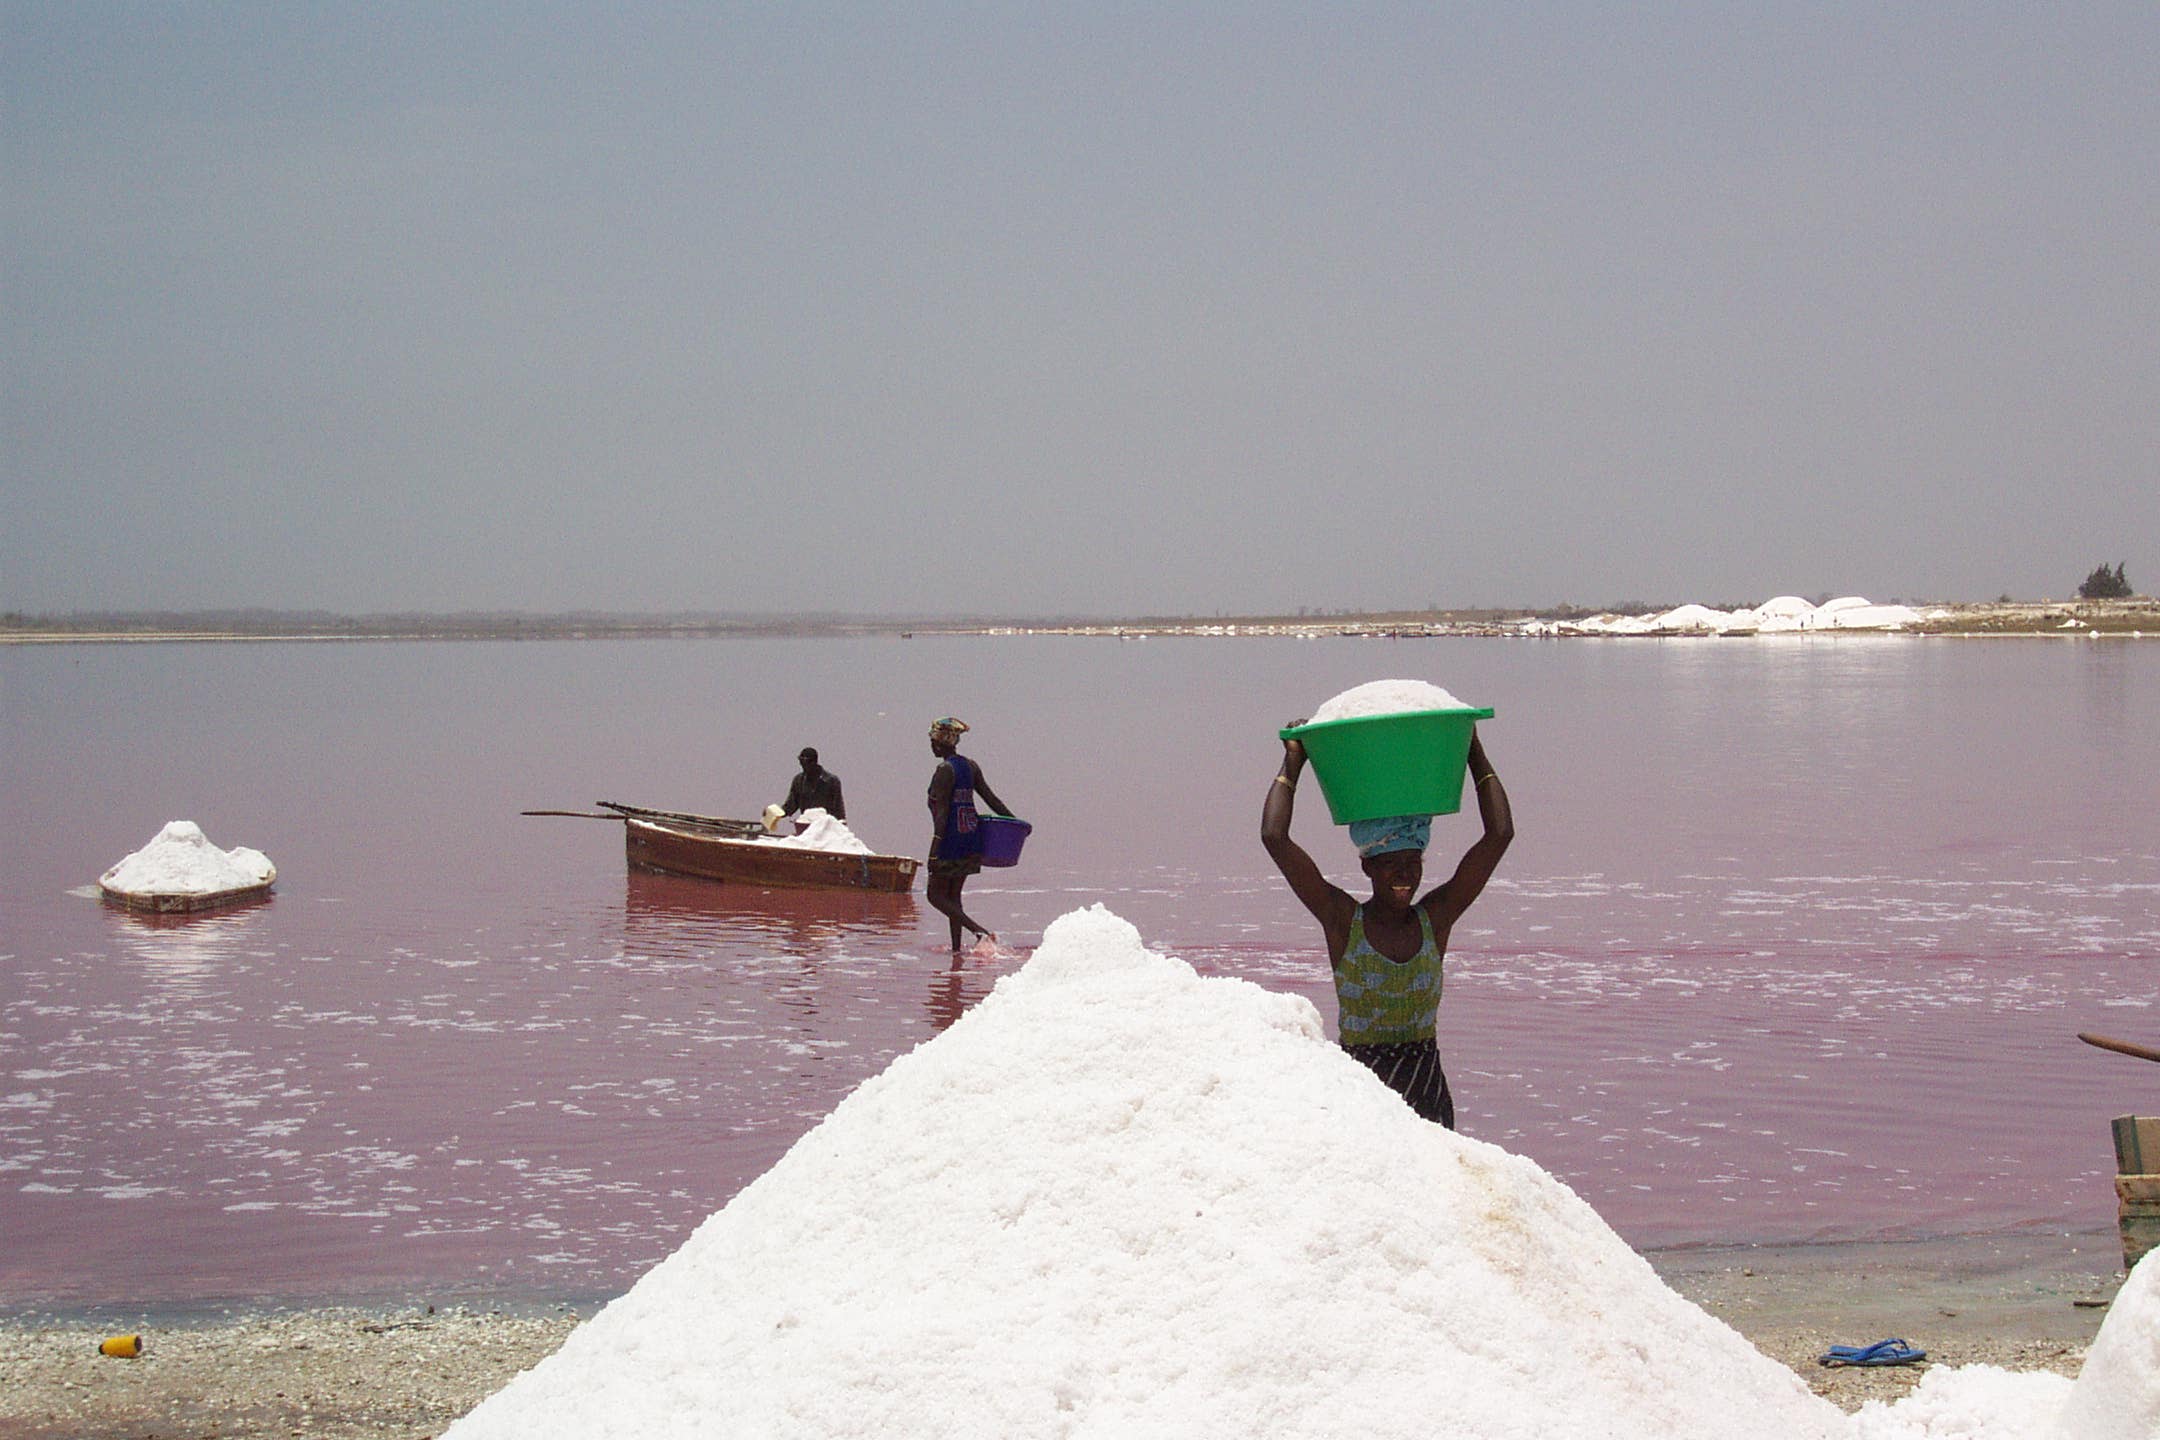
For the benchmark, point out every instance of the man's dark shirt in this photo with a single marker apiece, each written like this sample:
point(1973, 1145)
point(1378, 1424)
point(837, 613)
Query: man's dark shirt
point(819, 792)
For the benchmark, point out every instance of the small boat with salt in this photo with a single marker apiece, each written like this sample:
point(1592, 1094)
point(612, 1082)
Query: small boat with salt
point(740, 852)
point(181, 873)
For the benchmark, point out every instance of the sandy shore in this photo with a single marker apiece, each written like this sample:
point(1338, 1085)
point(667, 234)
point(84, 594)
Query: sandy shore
point(398, 1373)
point(330, 1372)
point(2021, 1302)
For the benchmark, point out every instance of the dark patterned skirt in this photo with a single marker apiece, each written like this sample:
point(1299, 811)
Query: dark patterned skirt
point(1412, 1070)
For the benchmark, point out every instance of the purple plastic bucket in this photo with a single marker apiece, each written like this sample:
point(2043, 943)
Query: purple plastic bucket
point(1002, 838)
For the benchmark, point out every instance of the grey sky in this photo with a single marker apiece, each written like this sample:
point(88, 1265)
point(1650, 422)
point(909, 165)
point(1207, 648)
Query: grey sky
point(1105, 308)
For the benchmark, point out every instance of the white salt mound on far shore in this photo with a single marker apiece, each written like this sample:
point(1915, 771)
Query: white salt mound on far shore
point(1779, 615)
point(1385, 697)
point(182, 861)
point(1118, 1199)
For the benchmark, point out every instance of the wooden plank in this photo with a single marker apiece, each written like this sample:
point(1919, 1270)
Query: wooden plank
point(2137, 1144)
point(2138, 1191)
point(2140, 1233)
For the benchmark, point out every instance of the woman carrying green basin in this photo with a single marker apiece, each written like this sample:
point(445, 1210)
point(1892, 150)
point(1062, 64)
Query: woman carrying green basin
point(1386, 952)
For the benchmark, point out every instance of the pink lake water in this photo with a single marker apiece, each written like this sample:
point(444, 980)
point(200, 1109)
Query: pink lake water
point(1793, 945)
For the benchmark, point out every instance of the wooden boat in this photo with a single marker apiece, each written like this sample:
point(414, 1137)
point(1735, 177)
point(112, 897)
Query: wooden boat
point(2137, 1166)
point(178, 859)
point(712, 848)
point(166, 902)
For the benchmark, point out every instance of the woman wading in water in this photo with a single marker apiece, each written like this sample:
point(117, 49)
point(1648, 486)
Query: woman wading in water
point(1386, 953)
point(956, 841)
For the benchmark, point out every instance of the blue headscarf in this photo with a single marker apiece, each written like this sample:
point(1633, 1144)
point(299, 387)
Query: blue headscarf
point(1395, 832)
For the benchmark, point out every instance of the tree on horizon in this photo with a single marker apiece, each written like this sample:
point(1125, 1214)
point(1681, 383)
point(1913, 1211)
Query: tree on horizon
point(2106, 584)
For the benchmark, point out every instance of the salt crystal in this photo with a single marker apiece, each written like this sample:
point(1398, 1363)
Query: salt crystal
point(1385, 697)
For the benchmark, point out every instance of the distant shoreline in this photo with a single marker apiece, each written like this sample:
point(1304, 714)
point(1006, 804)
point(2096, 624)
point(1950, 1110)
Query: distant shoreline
point(2137, 618)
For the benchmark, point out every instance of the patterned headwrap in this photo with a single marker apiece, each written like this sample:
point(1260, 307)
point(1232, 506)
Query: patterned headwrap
point(1395, 832)
point(947, 728)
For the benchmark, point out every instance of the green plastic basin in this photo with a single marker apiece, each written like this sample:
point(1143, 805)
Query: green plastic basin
point(1374, 766)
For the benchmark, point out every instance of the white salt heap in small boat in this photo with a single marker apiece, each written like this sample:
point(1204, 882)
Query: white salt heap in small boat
point(1117, 1198)
point(182, 861)
point(1385, 697)
point(821, 830)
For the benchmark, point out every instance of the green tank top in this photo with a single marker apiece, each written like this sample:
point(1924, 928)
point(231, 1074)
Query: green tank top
point(1387, 1002)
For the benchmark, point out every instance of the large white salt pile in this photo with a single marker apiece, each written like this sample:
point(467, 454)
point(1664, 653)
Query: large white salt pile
point(180, 860)
point(1693, 618)
point(1119, 1199)
point(1864, 616)
point(821, 830)
point(1385, 697)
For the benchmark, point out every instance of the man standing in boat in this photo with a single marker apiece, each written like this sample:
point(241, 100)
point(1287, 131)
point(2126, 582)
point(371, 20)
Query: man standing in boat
point(956, 839)
point(815, 789)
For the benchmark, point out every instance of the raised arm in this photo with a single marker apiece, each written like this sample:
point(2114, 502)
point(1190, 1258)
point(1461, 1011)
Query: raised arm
point(1329, 903)
point(1447, 902)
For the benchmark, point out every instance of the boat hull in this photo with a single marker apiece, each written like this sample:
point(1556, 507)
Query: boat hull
point(670, 851)
point(166, 903)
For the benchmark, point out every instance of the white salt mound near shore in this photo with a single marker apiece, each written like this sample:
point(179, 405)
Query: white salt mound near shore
point(180, 860)
point(1118, 1199)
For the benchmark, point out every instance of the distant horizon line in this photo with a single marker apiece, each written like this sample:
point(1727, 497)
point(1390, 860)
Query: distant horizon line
point(320, 625)
point(16, 615)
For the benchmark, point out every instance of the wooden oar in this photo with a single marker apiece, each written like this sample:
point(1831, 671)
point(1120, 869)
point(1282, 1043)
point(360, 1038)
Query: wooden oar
point(2120, 1047)
point(719, 825)
point(714, 823)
